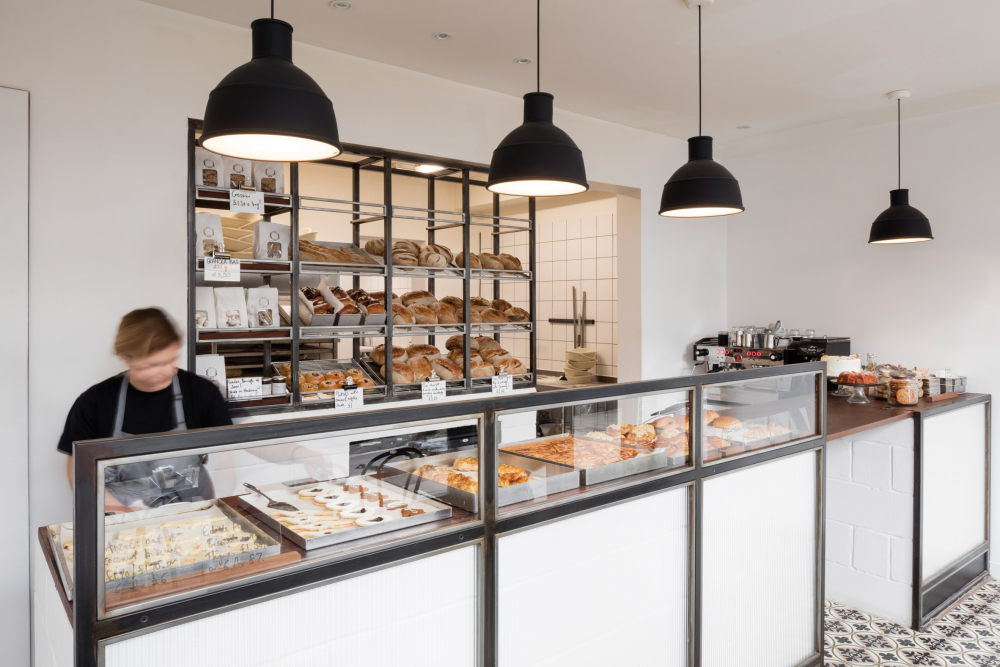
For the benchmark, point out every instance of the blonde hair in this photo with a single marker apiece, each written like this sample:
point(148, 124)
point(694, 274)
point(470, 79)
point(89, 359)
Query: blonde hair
point(143, 332)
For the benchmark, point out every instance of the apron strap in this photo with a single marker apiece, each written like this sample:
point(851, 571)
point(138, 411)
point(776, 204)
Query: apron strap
point(175, 387)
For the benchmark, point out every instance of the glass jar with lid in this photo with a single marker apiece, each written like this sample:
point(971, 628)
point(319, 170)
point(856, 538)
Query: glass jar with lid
point(903, 390)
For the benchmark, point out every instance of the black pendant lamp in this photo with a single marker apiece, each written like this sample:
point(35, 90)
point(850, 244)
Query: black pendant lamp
point(537, 159)
point(268, 109)
point(701, 188)
point(900, 223)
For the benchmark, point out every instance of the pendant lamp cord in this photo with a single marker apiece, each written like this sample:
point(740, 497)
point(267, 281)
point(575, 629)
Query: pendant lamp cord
point(699, 70)
point(538, 46)
point(272, 9)
point(899, 144)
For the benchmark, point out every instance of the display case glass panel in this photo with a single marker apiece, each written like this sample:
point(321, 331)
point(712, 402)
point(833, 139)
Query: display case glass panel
point(750, 415)
point(187, 521)
point(563, 450)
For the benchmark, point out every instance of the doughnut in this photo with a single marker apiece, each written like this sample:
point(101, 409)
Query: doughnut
point(307, 387)
point(313, 377)
point(334, 375)
point(329, 385)
point(354, 373)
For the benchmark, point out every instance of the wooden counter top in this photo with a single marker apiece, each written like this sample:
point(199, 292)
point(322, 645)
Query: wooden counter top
point(843, 419)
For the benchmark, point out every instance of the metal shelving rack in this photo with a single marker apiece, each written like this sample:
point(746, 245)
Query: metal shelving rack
point(294, 340)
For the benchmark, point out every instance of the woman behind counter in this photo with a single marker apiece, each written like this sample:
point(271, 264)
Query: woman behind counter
point(152, 396)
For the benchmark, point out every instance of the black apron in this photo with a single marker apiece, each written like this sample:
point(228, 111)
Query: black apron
point(153, 483)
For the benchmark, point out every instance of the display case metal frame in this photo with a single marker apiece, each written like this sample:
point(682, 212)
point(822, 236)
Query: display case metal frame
point(377, 160)
point(93, 631)
point(938, 593)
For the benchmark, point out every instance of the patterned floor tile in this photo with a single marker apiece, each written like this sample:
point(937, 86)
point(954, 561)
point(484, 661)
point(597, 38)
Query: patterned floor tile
point(967, 636)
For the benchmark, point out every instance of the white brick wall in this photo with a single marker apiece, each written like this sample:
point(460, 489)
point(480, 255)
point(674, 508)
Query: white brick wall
point(869, 513)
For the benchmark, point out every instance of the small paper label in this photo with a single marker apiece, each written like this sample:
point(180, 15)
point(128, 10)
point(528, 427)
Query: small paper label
point(242, 201)
point(503, 384)
point(222, 270)
point(245, 387)
point(433, 391)
point(348, 398)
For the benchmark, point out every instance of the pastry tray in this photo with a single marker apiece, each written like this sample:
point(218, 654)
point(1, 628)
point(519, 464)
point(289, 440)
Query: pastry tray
point(156, 517)
point(433, 511)
point(63, 534)
point(645, 461)
point(547, 478)
point(327, 365)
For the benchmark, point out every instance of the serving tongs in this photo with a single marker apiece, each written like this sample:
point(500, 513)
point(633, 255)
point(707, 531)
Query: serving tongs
point(272, 503)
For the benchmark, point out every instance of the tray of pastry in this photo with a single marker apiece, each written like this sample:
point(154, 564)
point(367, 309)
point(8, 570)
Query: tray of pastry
point(755, 434)
point(61, 540)
point(328, 375)
point(153, 546)
point(375, 371)
point(453, 478)
point(342, 510)
point(596, 460)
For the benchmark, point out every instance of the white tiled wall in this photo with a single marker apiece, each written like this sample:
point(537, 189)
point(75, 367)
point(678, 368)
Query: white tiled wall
point(869, 521)
point(578, 249)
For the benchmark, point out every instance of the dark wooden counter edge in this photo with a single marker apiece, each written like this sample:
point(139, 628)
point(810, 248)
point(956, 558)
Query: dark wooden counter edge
point(843, 420)
point(50, 560)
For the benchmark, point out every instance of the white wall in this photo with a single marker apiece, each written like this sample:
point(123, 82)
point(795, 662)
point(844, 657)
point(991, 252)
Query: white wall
point(800, 251)
point(113, 83)
point(13, 418)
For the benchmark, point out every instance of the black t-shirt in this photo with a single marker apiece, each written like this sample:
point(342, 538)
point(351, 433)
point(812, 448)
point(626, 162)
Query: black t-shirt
point(93, 414)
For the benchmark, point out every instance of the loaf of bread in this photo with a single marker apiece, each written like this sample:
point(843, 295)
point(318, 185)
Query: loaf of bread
point(423, 314)
point(515, 314)
point(422, 350)
point(378, 354)
point(493, 316)
point(375, 247)
point(510, 262)
point(454, 302)
point(490, 261)
point(485, 343)
point(402, 315)
point(401, 372)
point(447, 369)
point(479, 303)
point(375, 308)
point(458, 356)
point(421, 367)
point(457, 342)
point(476, 316)
point(400, 258)
point(411, 247)
point(500, 304)
point(422, 297)
point(510, 366)
point(474, 262)
point(727, 423)
point(481, 369)
point(494, 354)
point(432, 259)
point(446, 314)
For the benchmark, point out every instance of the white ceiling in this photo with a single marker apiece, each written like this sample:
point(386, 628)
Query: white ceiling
point(770, 64)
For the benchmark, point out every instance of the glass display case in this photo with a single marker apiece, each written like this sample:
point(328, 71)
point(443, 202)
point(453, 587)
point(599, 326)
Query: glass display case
point(576, 479)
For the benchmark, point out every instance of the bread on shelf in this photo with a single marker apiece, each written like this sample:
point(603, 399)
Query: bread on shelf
point(422, 297)
point(401, 372)
point(516, 314)
point(402, 315)
point(421, 367)
point(423, 314)
point(422, 350)
point(491, 261)
point(447, 369)
point(500, 304)
point(510, 262)
point(493, 316)
point(446, 313)
point(378, 354)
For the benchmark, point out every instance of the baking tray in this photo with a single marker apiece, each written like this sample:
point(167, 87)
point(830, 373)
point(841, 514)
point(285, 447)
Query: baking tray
point(646, 460)
point(326, 365)
point(433, 511)
point(156, 517)
point(548, 478)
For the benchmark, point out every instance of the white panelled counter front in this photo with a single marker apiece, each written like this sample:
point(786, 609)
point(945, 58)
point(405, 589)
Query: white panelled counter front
point(664, 522)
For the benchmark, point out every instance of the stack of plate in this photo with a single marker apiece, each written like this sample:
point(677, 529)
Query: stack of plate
point(580, 364)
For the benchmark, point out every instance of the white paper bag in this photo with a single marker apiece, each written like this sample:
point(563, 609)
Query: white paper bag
point(270, 240)
point(212, 367)
point(208, 168)
point(269, 176)
point(208, 230)
point(204, 308)
point(262, 307)
point(230, 308)
point(239, 174)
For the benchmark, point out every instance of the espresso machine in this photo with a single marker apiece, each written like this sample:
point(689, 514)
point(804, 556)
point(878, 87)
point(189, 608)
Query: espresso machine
point(763, 347)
